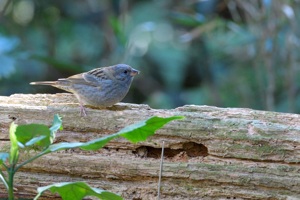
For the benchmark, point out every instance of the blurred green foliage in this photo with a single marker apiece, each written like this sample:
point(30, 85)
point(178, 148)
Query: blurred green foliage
point(231, 53)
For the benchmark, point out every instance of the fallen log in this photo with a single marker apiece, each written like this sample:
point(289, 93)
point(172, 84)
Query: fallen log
point(214, 153)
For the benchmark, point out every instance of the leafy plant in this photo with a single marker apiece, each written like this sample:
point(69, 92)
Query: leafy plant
point(41, 137)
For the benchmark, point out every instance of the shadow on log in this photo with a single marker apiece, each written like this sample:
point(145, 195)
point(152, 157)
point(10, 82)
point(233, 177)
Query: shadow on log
point(214, 153)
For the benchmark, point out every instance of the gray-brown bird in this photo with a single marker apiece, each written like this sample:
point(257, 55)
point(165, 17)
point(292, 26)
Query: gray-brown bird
point(100, 87)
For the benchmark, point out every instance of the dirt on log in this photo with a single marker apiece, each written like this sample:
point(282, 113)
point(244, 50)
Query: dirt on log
point(214, 153)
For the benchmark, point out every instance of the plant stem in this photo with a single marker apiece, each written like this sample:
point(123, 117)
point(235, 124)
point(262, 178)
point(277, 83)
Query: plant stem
point(11, 173)
point(30, 160)
point(160, 169)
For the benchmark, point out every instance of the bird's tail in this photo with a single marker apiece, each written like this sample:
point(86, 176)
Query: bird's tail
point(44, 83)
point(63, 84)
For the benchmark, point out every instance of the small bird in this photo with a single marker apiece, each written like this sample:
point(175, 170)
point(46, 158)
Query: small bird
point(100, 87)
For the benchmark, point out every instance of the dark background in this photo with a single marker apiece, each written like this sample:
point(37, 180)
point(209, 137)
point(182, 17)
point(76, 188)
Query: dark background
point(228, 53)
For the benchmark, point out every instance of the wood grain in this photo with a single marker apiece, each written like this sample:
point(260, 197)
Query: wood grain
point(214, 153)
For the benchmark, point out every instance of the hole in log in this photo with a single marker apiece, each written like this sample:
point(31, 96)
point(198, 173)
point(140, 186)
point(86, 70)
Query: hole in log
point(194, 149)
point(12, 117)
point(190, 149)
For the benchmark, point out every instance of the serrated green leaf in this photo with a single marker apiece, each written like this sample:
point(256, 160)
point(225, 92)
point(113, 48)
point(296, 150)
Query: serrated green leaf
point(134, 133)
point(14, 148)
point(38, 134)
point(98, 143)
point(77, 191)
point(142, 130)
point(27, 132)
point(3, 157)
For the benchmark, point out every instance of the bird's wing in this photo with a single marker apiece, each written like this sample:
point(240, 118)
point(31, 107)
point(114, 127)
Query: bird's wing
point(98, 76)
point(79, 79)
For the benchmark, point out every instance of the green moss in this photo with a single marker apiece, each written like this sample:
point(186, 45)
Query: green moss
point(259, 150)
point(189, 187)
point(286, 168)
point(244, 180)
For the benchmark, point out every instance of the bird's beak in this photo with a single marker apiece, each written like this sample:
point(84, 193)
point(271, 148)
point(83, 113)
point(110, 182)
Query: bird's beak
point(134, 72)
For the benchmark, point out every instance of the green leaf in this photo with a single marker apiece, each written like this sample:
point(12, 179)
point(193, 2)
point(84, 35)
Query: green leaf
point(62, 146)
point(3, 157)
point(134, 133)
point(38, 134)
point(77, 191)
point(14, 149)
point(142, 130)
point(34, 140)
point(56, 125)
point(98, 143)
point(27, 132)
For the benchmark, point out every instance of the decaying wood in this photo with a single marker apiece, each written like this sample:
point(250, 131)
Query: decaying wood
point(214, 153)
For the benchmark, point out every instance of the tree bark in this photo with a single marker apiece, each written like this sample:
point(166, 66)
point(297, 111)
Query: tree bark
point(214, 153)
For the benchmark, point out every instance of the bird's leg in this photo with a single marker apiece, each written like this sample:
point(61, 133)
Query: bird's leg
point(82, 110)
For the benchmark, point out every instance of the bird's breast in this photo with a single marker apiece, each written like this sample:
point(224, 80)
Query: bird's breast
point(103, 96)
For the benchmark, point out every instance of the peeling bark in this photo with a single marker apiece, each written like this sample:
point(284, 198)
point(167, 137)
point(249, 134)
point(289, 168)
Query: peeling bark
point(214, 153)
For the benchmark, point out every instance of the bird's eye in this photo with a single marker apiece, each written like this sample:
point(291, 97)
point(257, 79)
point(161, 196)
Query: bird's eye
point(125, 72)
